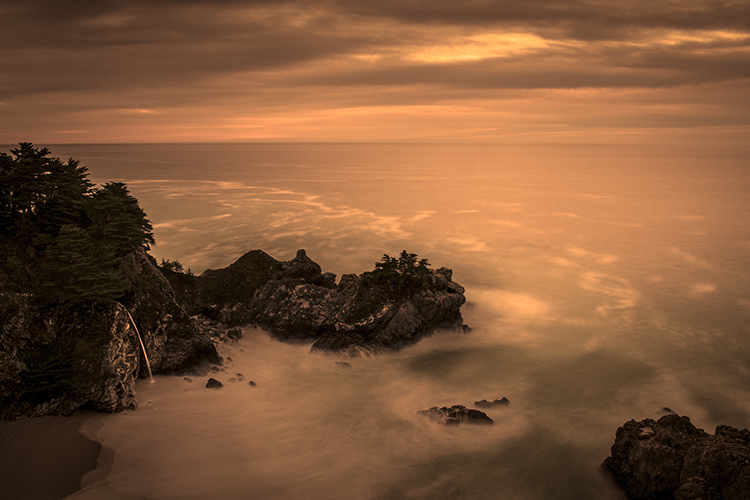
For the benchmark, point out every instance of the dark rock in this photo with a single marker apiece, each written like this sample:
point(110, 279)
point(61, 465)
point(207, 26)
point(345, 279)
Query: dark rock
point(188, 380)
point(56, 359)
point(456, 415)
point(234, 333)
point(489, 404)
point(343, 364)
point(251, 384)
point(672, 459)
point(213, 384)
point(231, 285)
point(297, 302)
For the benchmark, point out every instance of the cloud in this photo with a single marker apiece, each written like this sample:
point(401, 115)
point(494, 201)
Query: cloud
point(280, 69)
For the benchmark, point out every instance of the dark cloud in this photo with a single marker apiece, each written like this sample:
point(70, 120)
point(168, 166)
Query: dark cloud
point(265, 54)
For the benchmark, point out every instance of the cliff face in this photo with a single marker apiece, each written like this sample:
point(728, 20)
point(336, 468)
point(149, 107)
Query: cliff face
point(295, 301)
point(54, 360)
point(672, 459)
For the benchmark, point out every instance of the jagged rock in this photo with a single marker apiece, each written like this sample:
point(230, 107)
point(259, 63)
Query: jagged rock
point(175, 342)
point(456, 415)
point(213, 384)
point(672, 459)
point(234, 333)
point(295, 301)
point(56, 359)
point(489, 404)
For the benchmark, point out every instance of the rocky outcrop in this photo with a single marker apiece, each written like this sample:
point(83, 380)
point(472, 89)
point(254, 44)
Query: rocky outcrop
point(56, 359)
point(298, 302)
point(456, 415)
point(176, 343)
point(672, 459)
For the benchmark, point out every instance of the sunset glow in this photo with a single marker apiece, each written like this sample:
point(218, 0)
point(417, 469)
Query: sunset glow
point(352, 71)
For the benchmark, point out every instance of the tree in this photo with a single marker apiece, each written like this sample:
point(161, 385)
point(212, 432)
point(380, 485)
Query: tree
point(401, 275)
point(117, 219)
point(78, 268)
point(40, 194)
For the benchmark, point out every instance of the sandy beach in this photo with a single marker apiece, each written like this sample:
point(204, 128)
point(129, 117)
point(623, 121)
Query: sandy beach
point(44, 458)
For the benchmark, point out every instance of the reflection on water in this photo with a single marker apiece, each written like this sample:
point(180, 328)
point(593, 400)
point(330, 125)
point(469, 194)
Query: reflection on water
point(603, 284)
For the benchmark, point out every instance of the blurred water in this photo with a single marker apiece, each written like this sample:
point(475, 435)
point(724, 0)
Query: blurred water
point(604, 283)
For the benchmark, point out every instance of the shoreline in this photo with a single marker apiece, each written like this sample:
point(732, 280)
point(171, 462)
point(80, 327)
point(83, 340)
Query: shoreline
point(45, 458)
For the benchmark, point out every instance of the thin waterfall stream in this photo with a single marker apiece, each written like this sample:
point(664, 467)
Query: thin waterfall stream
point(145, 355)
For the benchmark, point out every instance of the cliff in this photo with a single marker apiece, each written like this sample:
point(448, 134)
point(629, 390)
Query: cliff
point(56, 359)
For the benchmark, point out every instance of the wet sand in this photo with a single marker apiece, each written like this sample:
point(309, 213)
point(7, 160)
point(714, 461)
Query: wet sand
point(44, 458)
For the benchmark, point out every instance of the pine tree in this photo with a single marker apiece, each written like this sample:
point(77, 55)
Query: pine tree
point(117, 220)
point(79, 268)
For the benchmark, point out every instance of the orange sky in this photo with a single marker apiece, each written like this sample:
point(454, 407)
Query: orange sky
point(419, 71)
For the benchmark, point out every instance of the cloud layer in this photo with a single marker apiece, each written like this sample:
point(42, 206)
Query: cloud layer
point(352, 70)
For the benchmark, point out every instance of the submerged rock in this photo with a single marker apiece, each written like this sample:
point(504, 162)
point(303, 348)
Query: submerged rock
point(489, 404)
point(672, 459)
point(456, 415)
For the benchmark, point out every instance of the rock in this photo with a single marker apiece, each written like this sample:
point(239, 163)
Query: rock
point(213, 384)
point(251, 384)
point(672, 459)
point(176, 343)
point(294, 301)
point(456, 415)
point(188, 380)
point(489, 404)
point(343, 364)
point(56, 359)
point(234, 333)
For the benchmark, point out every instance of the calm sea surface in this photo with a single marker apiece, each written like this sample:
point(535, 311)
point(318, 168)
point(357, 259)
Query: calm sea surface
point(604, 283)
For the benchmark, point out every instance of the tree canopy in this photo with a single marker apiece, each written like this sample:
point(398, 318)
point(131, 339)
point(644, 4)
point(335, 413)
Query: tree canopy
point(61, 236)
point(400, 275)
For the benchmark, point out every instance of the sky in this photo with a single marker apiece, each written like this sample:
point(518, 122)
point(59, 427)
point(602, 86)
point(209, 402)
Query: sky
point(499, 71)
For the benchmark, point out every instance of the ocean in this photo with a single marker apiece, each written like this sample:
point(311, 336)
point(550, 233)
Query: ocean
point(604, 283)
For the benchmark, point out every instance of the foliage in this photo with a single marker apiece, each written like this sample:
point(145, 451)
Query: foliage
point(171, 265)
point(117, 220)
point(61, 237)
point(77, 268)
point(399, 275)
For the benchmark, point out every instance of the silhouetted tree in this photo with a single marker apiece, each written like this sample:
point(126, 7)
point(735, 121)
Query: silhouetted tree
point(117, 220)
point(77, 268)
point(401, 275)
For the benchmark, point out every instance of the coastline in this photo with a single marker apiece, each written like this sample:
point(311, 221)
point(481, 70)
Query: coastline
point(45, 457)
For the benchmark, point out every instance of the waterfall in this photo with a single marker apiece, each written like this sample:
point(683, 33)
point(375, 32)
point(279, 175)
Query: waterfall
point(148, 365)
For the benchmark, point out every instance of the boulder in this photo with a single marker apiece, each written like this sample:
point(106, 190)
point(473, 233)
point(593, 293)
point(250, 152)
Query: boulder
point(213, 384)
point(672, 459)
point(456, 415)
